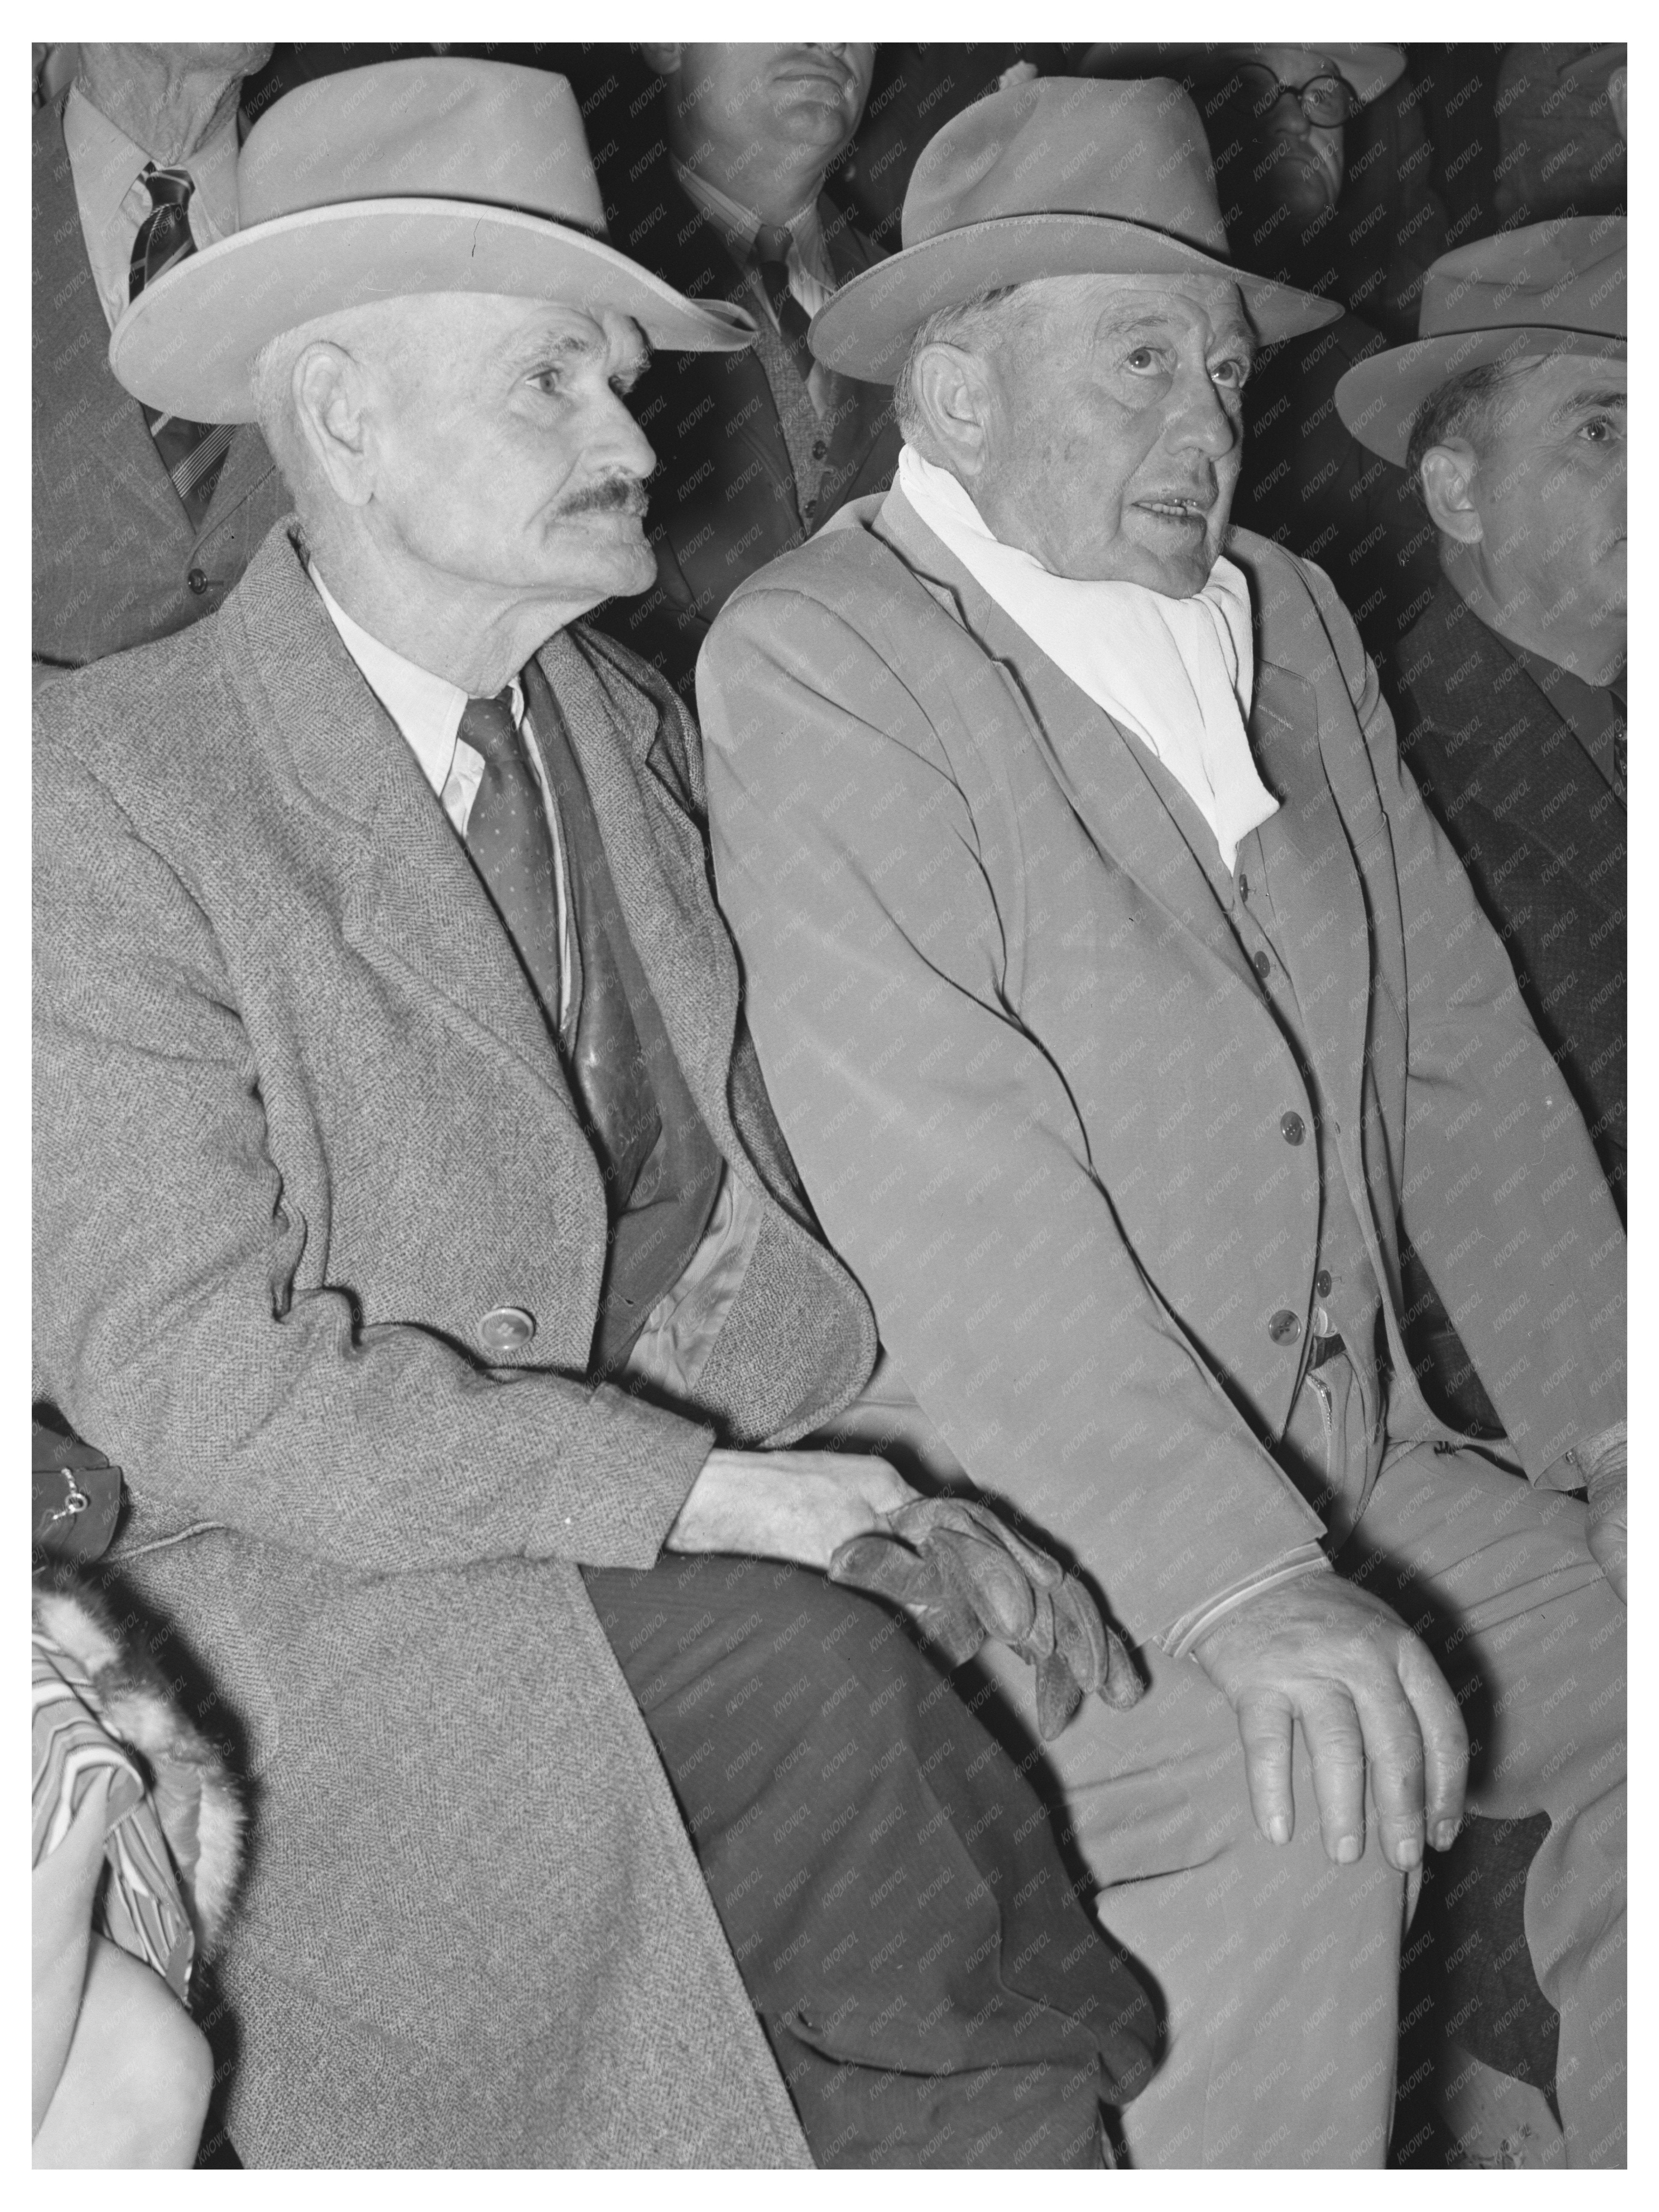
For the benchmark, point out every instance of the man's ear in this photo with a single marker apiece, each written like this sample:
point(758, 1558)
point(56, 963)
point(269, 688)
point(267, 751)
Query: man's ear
point(665, 60)
point(329, 389)
point(953, 396)
point(1447, 475)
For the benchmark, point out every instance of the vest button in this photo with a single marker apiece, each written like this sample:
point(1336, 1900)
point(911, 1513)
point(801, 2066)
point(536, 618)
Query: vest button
point(1323, 1282)
point(1243, 884)
point(1285, 1327)
point(505, 1328)
point(819, 449)
point(1293, 1128)
point(1263, 965)
point(197, 581)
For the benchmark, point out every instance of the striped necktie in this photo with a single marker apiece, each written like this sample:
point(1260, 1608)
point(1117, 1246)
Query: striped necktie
point(770, 261)
point(191, 452)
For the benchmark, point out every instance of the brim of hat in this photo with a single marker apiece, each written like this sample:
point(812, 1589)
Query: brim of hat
point(188, 343)
point(1379, 399)
point(866, 329)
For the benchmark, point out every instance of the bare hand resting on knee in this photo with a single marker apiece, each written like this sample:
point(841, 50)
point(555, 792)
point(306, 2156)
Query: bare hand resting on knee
point(1366, 1692)
point(798, 1506)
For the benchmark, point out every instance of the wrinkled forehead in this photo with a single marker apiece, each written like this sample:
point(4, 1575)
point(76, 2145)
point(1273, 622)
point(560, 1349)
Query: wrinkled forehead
point(1208, 308)
point(445, 333)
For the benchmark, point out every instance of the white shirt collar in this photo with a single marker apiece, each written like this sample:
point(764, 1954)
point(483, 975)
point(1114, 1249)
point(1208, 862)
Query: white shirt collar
point(740, 223)
point(106, 166)
point(426, 708)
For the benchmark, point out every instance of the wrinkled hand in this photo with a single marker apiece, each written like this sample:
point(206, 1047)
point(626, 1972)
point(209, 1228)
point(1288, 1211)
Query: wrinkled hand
point(796, 1505)
point(1366, 1692)
point(963, 1574)
point(1607, 1533)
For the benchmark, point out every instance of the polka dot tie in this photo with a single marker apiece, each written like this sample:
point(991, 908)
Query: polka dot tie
point(511, 843)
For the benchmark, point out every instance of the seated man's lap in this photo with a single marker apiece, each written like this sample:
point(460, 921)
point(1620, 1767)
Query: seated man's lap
point(1277, 1970)
point(889, 1884)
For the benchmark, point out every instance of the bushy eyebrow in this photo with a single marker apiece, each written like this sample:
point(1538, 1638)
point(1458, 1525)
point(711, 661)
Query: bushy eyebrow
point(1591, 403)
point(541, 349)
point(1229, 333)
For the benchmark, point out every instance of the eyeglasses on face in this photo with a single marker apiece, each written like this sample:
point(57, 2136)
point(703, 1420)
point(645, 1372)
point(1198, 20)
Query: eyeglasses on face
point(1325, 99)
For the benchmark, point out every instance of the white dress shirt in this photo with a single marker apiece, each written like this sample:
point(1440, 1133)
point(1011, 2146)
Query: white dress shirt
point(427, 711)
point(682, 1328)
point(812, 273)
point(108, 169)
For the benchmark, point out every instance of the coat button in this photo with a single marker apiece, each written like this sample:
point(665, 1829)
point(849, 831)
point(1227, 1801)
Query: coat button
point(1243, 884)
point(197, 581)
point(1285, 1327)
point(1263, 966)
point(505, 1329)
point(1323, 1282)
point(1293, 1128)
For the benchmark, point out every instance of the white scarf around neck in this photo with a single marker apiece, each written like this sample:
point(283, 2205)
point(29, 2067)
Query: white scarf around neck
point(1177, 673)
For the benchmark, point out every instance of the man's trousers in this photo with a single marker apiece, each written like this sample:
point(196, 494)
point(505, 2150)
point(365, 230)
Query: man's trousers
point(1279, 1970)
point(933, 1991)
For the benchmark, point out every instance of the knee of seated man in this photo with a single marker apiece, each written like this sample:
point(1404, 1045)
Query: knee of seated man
point(712, 1627)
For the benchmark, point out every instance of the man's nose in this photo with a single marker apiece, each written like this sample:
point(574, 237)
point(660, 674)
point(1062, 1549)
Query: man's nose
point(1199, 421)
point(1287, 119)
point(620, 438)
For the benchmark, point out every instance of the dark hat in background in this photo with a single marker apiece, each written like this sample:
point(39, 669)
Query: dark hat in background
point(1552, 287)
point(1058, 177)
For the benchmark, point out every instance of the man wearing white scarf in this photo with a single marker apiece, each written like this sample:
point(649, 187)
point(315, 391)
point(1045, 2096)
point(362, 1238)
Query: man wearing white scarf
point(1177, 673)
point(1124, 1010)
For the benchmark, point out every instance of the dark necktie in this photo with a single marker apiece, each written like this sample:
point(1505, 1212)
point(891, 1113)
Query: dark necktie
point(192, 452)
point(511, 842)
point(770, 261)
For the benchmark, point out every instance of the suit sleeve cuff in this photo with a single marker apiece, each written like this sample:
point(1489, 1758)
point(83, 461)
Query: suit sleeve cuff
point(1602, 1454)
point(1179, 1638)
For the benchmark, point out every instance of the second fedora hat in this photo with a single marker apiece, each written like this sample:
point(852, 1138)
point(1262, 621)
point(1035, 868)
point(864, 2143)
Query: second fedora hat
point(1058, 177)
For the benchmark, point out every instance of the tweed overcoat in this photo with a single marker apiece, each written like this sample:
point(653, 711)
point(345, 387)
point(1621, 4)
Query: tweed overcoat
point(300, 1128)
point(1541, 831)
point(1047, 1110)
point(117, 559)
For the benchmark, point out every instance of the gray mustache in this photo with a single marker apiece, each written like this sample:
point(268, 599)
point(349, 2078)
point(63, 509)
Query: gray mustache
point(623, 494)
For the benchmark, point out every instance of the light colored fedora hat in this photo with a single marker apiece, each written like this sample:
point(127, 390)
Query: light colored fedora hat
point(428, 175)
point(1057, 177)
point(1550, 288)
point(1366, 71)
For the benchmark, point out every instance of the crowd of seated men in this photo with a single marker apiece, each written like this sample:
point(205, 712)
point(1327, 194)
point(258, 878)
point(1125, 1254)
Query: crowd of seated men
point(830, 1012)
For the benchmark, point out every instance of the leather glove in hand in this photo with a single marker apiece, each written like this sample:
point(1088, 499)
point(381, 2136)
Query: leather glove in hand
point(963, 1575)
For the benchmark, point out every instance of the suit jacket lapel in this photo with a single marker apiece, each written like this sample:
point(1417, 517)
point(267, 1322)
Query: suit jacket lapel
point(1317, 903)
point(1529, 771)
point(1105, 773)
point(413, 900)
point(659, 866)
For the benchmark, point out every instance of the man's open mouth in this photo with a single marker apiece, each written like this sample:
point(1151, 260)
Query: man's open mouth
point(1177, 508)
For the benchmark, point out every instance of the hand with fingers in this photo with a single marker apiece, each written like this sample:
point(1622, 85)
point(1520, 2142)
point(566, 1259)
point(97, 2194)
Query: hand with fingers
point(1369, 1697)
point(963, 1573)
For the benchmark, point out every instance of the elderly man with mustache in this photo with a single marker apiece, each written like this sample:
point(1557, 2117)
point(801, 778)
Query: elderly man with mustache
point(1123, 1007)
point(414, 1231)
